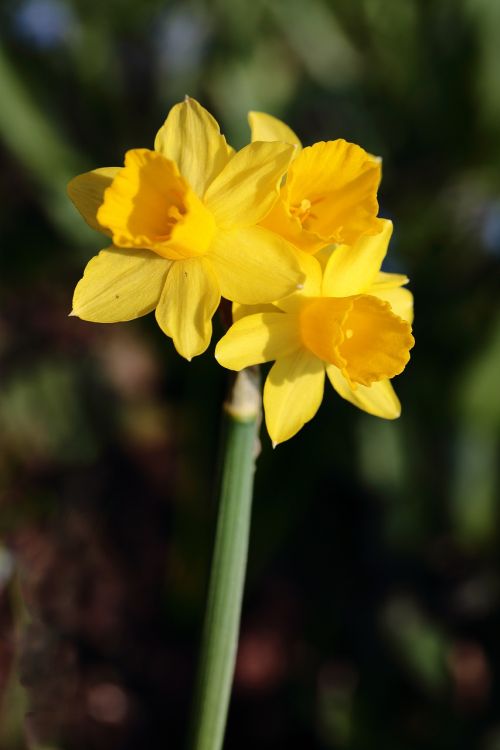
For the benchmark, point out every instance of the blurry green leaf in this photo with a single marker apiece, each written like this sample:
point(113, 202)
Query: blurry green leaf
point(318, 41)
point(14, 705)
point(336, 687)
point(381, 454)
point(43, 417)
point(475, 466)
point(485, 15)
point(420, 644)
point(240, 19)
point(13, 715)
point(478, 390)
point(474, 509)
point(265, 81)
point(42, 151)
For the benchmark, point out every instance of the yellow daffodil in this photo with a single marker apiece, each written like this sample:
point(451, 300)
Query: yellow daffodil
point(330, 192)
point(351, 321)
point(183, 222)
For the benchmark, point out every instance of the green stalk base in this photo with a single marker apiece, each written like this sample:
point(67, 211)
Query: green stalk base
point(227, 577)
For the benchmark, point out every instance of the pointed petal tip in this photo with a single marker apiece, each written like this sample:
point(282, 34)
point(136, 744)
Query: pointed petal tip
point(72, 314)
point(274, 444)
point(396, 413)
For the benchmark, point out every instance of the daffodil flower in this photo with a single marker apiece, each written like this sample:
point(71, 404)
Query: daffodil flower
point(350, 321)
point(330, 192)
point(183, 221)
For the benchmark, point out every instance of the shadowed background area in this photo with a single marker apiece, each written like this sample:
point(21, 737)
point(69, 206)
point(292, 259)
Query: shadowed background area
point(372, 609)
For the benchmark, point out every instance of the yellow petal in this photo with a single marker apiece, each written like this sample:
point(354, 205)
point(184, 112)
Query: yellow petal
point(378, 399)
point(87, 193)
point(388, 281)
point(324, 255)
point(244, 192)
point(253, 265)
point(400, 300)
point(258, 338)
point(310, 287)
point(191, 138)
point(268, 128)
point(150, 205)
point(119, 285)
point(188, 301)
point(353, 269)
point(241, 311)
point(332, 188)
point(292, 394)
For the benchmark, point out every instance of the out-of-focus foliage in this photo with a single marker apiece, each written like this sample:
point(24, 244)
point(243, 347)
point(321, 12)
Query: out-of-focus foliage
point(372, 613)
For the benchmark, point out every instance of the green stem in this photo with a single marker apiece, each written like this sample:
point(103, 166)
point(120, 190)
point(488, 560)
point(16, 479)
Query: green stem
point(227, 577)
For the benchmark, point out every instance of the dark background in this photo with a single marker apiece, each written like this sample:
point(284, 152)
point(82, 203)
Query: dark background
point(371, 617)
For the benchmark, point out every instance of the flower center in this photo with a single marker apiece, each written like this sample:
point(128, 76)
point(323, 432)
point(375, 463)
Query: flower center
point(174, 215)
point(302, 210)
point(321, 320)
point(360, 335)
point(340, 181)
point(150, 205)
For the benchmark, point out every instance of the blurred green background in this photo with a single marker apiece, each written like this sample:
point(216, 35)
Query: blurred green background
point(372, 609)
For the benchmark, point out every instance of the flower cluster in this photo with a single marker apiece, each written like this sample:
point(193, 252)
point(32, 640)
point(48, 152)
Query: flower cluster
point(290, 235)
